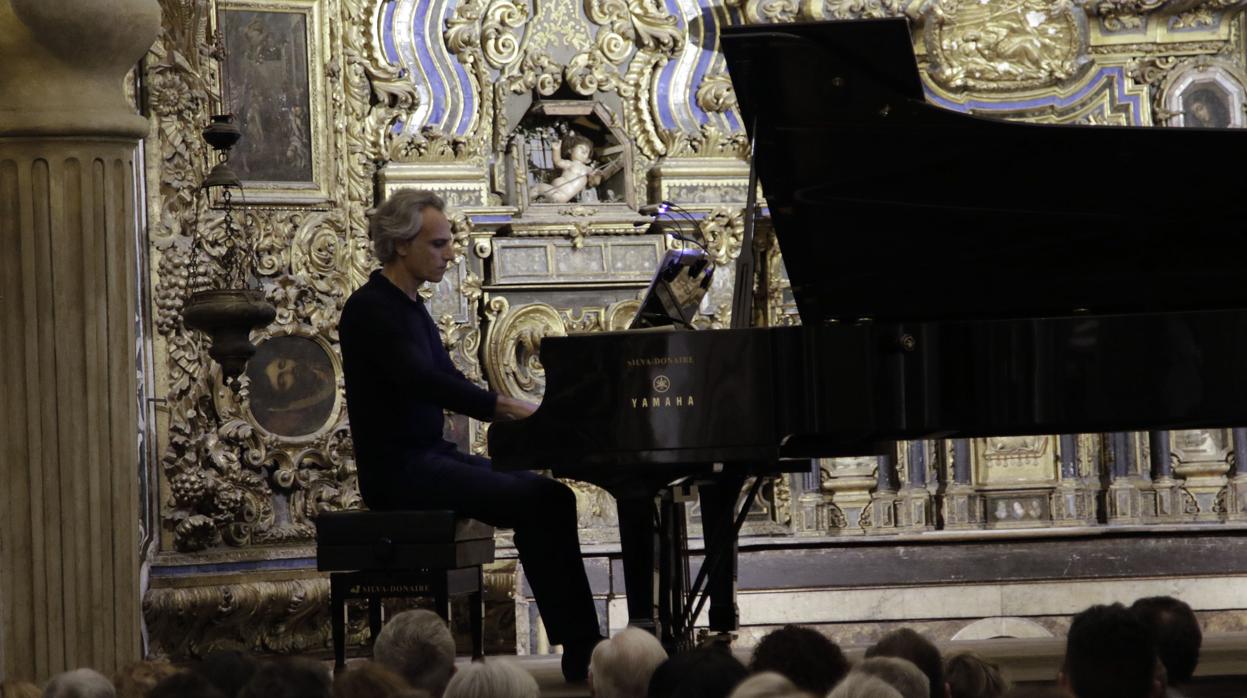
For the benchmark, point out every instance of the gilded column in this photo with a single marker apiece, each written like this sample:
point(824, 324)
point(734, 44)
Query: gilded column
point(1168, 494)
point(913, 512)
point(1236, 501)
point(69, 509)
point(1124, 499)
point(1072, 502)
point(962, 505)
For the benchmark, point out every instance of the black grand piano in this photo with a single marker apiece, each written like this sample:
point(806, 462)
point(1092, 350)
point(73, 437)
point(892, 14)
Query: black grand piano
point(956, 276)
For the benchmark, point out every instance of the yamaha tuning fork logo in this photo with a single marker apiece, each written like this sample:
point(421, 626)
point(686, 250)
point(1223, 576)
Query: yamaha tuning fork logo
point(661, 396)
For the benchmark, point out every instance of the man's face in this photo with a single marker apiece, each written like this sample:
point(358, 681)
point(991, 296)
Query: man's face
point(427, 255)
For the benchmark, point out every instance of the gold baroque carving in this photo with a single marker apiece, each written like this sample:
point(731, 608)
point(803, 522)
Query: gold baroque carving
point(638, 116)
point(707, 142)
point(858, 9)
point(1151, 70)
point(1204, 15)
point(513, 343)
point(715, 93)
point(618, 316)
point(772, 11)
point(432, 145)
point(557, 25)
point(287, 616)
point(641, 22)
point(1123, 15)
point(488, 26)
point(723, 230)
point(537, 71)
point(1004, 44)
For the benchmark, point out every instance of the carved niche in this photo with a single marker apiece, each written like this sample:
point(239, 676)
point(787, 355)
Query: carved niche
point(568, 152)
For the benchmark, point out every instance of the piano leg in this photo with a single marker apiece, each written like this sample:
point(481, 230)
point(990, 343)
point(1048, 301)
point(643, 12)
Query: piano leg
point(673, 583)
point(638, 543)
point(718, 511)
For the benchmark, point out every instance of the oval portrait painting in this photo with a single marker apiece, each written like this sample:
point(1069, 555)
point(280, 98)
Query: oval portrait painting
point(293, 386)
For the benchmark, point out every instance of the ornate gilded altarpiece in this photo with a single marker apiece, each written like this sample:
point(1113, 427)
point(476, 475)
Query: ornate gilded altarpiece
point(546, 124)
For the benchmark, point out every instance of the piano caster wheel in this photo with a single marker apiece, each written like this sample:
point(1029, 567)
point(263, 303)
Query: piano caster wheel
point(715, 638)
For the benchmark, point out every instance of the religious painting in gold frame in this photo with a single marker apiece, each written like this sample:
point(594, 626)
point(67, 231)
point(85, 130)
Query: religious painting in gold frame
point(293, 386)
point(273, 81)
point(1205, 92)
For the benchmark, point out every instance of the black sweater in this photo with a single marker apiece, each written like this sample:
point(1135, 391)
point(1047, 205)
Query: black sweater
point(399, 379)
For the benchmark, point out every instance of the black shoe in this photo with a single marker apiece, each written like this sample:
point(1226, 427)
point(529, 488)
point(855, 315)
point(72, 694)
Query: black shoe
point(576, 657)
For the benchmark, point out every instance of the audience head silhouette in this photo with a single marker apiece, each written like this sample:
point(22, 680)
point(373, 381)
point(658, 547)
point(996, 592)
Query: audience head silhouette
point(492, 678)
point(805, 656)
point(79, 683)
point(289, 678)
point(970, 676)
point(901, 674)
point(621, 667)
point(706, 672)
point(862, 685)
point(1175, 633)
point(906, 643)
point(418, 646)
point(1108, 654)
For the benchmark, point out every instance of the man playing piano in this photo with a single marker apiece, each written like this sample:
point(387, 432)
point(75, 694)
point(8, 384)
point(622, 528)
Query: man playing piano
point(399, 379)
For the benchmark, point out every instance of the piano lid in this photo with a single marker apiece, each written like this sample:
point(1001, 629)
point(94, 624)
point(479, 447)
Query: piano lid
point(891, 208)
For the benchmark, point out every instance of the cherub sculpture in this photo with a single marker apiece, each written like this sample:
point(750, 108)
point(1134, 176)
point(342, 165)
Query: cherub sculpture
point(573, 158)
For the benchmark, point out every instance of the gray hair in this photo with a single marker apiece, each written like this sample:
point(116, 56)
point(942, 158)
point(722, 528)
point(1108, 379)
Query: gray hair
point(621, 667)
point(768, 684)
point(399, 219)
point(418, 645)
point(861, 685)
point(79, 683)
point(494, 678)
point(902, 674)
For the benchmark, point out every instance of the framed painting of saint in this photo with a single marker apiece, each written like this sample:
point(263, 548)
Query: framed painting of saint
point(273, 82)
point(1204, 93)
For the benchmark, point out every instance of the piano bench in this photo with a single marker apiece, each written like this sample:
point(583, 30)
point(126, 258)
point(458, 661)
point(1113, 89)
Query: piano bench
point(402, 554)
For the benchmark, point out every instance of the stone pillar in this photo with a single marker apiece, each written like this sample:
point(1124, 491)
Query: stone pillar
point(69, 508)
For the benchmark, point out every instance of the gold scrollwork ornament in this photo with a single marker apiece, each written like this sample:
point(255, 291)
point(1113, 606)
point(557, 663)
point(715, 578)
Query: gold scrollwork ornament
point(513, 345)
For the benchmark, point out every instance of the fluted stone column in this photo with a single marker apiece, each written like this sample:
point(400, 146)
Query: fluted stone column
point(69, 509)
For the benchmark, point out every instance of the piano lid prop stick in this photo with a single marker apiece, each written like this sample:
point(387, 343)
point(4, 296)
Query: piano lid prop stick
point(742, 292)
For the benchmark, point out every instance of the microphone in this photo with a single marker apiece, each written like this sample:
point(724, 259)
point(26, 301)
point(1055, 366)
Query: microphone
point(660, 210)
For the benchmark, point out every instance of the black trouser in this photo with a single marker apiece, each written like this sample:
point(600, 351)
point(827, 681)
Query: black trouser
point(542, 512)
